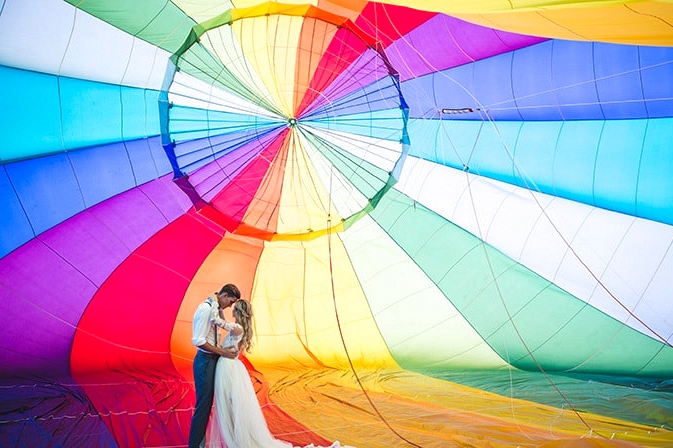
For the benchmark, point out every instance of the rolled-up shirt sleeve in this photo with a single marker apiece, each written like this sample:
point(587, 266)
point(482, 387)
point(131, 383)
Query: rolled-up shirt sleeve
point(201, 324)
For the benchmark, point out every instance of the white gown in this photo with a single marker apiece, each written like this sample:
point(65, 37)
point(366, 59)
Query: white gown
point(238, 421)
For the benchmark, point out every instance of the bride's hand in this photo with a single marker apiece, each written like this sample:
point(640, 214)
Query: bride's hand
point(230, 352)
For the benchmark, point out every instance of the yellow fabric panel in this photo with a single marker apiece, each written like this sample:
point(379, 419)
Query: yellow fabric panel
point(435, 413)
point(255, 3)
point(270, 46)
point(626, 22)
point(223, 42)
point(625, 26)
point(298, 319)
point(234, 260)
point(305, 204)
point(202, 10)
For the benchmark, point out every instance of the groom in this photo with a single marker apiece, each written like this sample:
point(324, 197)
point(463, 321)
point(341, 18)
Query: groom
point(204, 337)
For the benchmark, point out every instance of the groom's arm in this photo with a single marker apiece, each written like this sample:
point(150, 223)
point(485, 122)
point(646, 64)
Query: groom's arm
point(227, 352)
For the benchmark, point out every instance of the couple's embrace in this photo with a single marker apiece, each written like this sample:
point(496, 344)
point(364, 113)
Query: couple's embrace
point(238, 421)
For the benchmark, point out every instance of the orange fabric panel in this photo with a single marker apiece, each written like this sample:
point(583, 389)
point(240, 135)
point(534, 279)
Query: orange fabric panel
point(435, 413)
point(315, 37)
point(346, 8)
point(233, 260)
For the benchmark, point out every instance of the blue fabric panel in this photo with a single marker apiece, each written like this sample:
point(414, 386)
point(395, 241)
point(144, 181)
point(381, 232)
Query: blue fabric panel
point(613, 164)
point(17, 228)
point(187, 123)
point(456, 91)
point(618, 81)
point(655, 179)
point(30, 122)
point(46, 114)
point(148, 159)
point(535, 155)
point(102, 172)
point(426, 144)
point(139, 113)
point(494, 149)
point(40, 193)
point(617, 165)
point(383, 124)
point(493, 87)
point(48, 190)
point(575, 162)
point(534, 93)
point(573, 75)
point(657, 78)
point(92, 113)
point(553, 80)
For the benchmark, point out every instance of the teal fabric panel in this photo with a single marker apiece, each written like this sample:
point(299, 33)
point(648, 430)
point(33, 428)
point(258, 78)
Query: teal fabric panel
point(30, 118)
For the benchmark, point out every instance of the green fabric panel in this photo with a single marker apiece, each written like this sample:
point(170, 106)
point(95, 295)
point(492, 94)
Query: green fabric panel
point(158, 22)
point(200, 63)
point(368, 179)
point(519, 312)
point(608, 395)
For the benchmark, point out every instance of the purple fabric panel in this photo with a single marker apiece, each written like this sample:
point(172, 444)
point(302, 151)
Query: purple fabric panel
point(42, 298)
point(380, 95)
point(167, 197)
point(445, 42)
point(48, 282)
point(98, 240)
point(367, 69)
point(191, 153)
point(50, 414)
point(212, 178)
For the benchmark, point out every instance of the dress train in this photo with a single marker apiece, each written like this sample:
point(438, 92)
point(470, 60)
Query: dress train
point(238, 421)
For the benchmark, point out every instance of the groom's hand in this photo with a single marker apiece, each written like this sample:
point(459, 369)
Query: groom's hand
point(229, 352)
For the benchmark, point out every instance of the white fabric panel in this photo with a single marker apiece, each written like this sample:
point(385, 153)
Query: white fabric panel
point(346, 199)
point(411, 312)
point(187, 90)
point(52, 36)
point(619, 264)
point(224, 43)
point(378, 152)
point(35, 33)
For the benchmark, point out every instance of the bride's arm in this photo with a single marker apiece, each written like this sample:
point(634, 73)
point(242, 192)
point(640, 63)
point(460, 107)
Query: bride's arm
point(217, 317)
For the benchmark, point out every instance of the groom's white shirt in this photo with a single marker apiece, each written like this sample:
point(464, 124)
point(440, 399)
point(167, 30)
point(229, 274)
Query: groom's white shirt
point(206, 320)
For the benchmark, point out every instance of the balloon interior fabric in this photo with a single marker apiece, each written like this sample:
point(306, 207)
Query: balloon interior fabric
point(454, 220)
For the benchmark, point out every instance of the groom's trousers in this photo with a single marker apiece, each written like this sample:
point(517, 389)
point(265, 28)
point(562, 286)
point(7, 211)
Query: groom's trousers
point(204, 383)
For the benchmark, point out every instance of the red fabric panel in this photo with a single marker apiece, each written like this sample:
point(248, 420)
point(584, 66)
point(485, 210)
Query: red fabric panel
point(387, 23)
point(121, 350)
point(345, 48)
point(233, 201)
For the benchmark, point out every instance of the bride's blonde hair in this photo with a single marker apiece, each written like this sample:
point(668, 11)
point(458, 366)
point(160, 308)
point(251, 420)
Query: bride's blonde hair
point(243, 314)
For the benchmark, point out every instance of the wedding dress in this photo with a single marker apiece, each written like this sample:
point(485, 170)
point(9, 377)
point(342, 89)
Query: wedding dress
point(238, 421)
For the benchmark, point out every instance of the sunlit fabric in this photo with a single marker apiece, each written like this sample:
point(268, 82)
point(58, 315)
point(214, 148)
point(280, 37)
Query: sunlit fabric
point(454, 220)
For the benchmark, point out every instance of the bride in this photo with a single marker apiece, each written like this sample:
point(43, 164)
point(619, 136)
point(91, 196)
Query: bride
point(238, 421)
